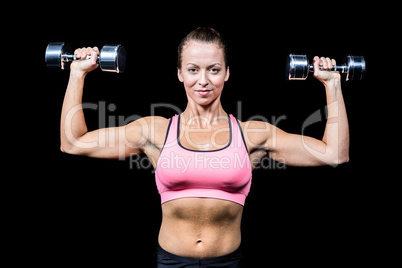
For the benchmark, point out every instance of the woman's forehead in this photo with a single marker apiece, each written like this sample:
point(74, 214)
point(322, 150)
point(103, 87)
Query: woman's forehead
point(202, 52)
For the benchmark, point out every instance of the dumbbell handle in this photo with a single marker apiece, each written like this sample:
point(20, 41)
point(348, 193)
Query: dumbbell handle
point(72, 57)
point(336, 68)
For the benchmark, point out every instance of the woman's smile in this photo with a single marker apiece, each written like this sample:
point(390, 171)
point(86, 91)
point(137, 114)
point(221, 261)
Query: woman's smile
point(203, 92)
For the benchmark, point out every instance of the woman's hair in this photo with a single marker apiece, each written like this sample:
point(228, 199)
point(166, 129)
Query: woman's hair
point(202, 35)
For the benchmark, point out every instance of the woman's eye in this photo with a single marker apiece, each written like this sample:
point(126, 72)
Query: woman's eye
point(212, 70)
point(215, 70)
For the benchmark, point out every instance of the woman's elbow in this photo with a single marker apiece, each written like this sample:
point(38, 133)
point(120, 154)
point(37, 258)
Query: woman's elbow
point(69, 149)
point(340, 159)
point(344, 159)
point(66, 149)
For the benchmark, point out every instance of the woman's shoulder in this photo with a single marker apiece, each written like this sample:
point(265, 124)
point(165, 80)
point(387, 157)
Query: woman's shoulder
point(151, 130)
point(158, 123)
point(254, 125)
point(256, 133)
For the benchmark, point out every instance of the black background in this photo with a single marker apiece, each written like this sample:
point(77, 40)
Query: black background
point(93, 211)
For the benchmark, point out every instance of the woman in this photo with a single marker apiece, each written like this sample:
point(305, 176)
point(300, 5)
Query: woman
point(203, 157)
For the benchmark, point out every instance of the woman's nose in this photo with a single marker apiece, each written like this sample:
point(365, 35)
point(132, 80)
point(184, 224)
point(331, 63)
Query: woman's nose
point(203, 81)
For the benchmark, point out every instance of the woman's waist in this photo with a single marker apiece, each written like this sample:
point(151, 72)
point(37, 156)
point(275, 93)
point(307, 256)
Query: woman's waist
point(204, 243)
point(166, 255)
point(200, 227)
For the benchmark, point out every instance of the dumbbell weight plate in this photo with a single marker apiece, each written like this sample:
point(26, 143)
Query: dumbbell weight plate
point(54, 52)
point(112, 58)
point(357, 67)
point(297, 67)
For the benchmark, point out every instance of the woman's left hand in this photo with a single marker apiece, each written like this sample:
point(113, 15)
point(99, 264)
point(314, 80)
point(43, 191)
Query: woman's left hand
point(325, 76)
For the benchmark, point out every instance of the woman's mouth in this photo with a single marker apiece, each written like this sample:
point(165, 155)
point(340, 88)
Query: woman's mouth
point(203, 92)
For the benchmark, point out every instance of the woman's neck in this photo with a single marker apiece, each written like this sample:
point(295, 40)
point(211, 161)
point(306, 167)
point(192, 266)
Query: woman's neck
point(203, 116)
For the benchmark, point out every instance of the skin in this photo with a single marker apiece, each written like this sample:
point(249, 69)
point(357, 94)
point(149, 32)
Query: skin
point(203, 227)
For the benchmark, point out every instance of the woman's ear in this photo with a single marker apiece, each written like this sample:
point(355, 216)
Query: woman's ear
point(227, 74)
point(179, 75)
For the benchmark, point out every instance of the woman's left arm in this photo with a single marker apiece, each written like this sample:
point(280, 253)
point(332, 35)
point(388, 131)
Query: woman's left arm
point(299, 150)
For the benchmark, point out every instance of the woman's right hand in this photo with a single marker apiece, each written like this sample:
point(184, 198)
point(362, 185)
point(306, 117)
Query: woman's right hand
point(85, 66)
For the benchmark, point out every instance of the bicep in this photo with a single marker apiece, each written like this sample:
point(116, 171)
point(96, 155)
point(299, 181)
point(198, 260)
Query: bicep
point(296, 150)
point(112, 143)
point(290, 149)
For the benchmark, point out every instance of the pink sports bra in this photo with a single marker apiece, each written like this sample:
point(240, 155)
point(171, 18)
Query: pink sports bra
point(223, 173)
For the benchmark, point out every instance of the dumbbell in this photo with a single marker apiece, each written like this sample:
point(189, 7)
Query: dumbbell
point(298, 67)
point(112, 58)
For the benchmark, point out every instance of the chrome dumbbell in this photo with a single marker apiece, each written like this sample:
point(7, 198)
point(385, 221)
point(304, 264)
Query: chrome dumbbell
point(112, 58)
point(298, 67)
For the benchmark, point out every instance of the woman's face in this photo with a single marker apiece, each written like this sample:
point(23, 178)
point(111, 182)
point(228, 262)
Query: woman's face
point(203, 72)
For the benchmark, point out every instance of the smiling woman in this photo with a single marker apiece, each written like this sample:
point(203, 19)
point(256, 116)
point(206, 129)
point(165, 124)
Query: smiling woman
point(203, 71)
point(203, 157)
point(194, 69)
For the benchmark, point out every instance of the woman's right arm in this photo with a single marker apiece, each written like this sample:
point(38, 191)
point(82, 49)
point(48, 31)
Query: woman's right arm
point(114, 143)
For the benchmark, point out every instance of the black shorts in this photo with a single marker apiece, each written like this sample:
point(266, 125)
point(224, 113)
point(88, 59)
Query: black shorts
point(169, 260)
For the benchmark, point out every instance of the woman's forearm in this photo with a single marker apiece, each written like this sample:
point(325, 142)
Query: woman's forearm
point(72, 123)
point(336, 134)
